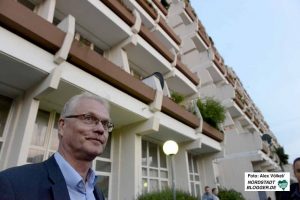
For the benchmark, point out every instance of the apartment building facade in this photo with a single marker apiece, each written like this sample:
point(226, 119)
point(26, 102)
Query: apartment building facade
point(134, 53)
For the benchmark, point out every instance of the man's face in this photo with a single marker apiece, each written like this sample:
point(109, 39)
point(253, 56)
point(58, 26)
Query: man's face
point(297, 170)
point(80, 140)
point(215, 191)
point(207, 190)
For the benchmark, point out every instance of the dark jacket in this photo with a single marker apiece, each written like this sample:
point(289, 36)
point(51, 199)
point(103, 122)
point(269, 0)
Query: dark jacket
point(293, 194)
point(41, 181)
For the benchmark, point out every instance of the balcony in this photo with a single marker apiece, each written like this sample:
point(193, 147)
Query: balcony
point(202, 33)
point(198, 62)
point(238, 100)
point(191, 41)
point(158, 25)
point(218, 60)
point(238, 110)
point(180, 83)
point(161, 7)
point(20, 20)
point(179, 15)
point(212, 132)
point(149, 55)
point(265, 148)
point(230, 78)
point(117, 25)
point(190, 11)
point(179, 113)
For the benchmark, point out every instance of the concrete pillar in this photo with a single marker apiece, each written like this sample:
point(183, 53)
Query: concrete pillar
point(22, 128)
point(46, 9)
point(119, 57)
point(206, 171)
point(182, 170)
point(127, 165)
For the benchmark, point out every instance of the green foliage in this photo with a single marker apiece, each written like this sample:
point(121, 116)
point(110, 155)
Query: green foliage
point(166, 194)
point(212, 111)
point(230, 194)
point(283, 157)
point(177, 98)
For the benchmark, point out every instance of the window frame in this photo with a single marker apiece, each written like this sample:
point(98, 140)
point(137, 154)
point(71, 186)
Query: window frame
point(192, 161)
point(7, 124)
point(148, 168)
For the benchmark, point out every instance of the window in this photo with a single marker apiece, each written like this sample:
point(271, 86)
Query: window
point(103, 167)
point(154, 167)
point(44, 143)
point(5, 104)
point(194, 176)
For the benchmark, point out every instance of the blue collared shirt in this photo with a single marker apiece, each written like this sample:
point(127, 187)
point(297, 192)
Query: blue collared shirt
point(77, 188)
point(207, 196)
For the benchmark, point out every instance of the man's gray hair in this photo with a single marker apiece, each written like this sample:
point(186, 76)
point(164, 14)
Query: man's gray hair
point(73, 101)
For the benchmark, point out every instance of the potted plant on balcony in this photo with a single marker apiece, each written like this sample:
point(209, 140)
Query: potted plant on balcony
point(212, 111)
point(283, 157)
point(177, 97)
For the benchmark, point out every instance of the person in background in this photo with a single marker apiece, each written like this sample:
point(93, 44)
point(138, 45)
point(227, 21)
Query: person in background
point(207, 194)
point(215, 194)
point(295, 187)
point(294, 193)
point(83, 130)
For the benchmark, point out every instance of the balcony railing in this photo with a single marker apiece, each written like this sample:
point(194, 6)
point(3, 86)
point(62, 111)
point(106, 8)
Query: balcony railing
point(169, 31)
point(265, 148)
point(202, 33)
point(212, 132)
point(249, 114)
point(185, 70)
point(163, 24)
point(238, 100)
point(190, 11)
point(156, 44)
point(231, 78)
point(171, 108)
point(161, 7)
point(256, 122)
point(218, 60)
point(120, 10)
point(148, 8)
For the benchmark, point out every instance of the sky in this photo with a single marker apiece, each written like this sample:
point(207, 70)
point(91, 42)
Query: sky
point(260, 40)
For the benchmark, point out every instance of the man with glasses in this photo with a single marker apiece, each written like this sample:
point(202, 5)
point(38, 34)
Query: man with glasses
point(84, 128)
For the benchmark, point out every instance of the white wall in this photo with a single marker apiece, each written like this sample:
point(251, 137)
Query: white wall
point(242, 142)
point(231, 174)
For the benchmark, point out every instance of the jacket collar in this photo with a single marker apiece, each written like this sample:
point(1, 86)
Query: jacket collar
point(59, 186)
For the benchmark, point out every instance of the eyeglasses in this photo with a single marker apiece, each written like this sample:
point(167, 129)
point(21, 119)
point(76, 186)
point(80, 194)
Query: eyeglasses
point(93, 120)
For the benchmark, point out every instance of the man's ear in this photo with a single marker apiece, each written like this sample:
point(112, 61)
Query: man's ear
point(61, 124)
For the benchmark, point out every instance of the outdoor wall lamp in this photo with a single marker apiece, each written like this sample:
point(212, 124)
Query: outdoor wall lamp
point(170, 148)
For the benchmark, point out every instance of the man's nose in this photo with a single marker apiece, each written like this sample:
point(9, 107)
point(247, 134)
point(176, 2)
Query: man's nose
point(99, 127)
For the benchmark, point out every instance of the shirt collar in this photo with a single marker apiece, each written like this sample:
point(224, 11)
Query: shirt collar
point(72, 177)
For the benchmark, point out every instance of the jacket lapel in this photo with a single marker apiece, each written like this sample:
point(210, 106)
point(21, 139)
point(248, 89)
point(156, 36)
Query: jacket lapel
point(98, 194)
point(59, 187)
